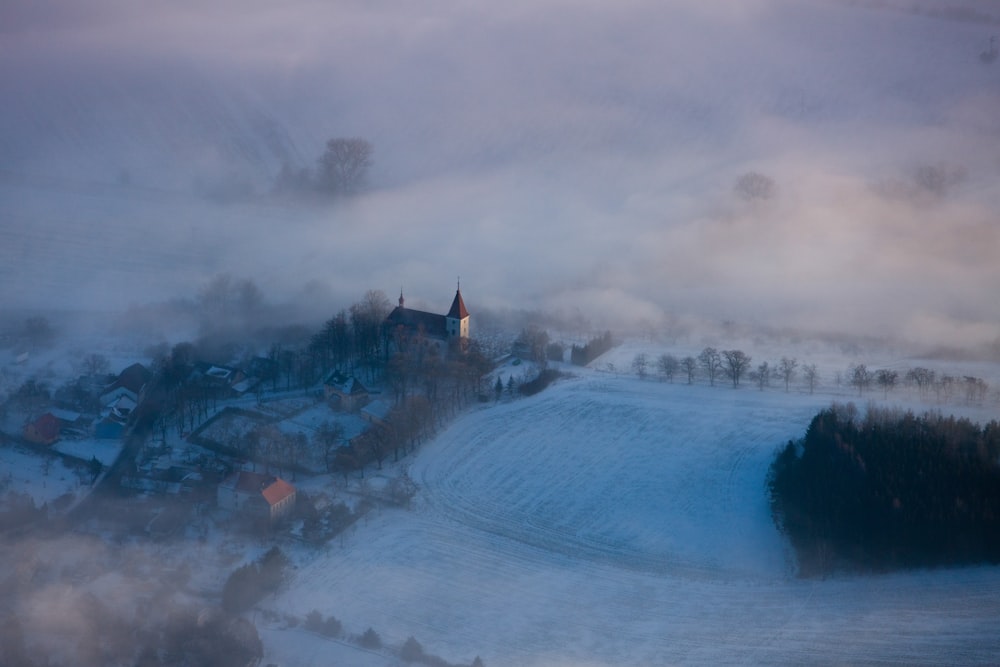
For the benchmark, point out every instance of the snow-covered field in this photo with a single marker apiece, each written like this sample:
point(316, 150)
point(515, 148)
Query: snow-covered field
point(42, 478)
point(612, 521)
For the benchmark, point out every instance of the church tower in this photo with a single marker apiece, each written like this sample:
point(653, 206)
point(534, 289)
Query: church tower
point(457, 319)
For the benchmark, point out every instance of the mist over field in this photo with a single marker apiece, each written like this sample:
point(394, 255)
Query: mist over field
point(823, 169)
point(570, 156)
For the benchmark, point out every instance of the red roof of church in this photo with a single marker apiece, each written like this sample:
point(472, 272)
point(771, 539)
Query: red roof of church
point(458, 310)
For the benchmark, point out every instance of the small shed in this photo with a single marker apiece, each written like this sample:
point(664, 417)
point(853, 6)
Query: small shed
point(345, 391)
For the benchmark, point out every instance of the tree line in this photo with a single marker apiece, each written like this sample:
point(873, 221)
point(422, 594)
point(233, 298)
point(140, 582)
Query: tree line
point(735, 366)
point(889, 489)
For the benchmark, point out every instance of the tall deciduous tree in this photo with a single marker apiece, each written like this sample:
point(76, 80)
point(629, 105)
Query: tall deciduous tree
point(786, 369)
point(754, 185)
point(812, 376)
point(861, 377)
point(711, 361)
point(886, 379)
point(737, 362)
point(762, 375)
point(690, 366)
point(343, 168)
point(668, 365)
point(639, 364)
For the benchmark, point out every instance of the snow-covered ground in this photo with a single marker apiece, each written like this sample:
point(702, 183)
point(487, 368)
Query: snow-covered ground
point(44, 478)
point(612, 521)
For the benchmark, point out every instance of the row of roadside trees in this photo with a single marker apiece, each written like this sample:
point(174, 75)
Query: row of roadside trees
point(735, 366)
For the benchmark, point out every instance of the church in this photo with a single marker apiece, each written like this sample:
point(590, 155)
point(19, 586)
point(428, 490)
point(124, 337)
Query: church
point(440, 331)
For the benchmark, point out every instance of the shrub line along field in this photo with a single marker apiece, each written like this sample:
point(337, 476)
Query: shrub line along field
point(609, 521)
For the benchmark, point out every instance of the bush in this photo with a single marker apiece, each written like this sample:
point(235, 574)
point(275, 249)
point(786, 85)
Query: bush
point(411, 651)
point(370, 639)
point(332, 627)
point(242, 589)
point(314, 621)
point(544, 379)
point(249, 583)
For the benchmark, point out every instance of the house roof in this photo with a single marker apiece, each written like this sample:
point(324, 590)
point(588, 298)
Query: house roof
point(245, 481)
point(47, 426)
point(458, 310)
point(133, 378)
point(345, 384)
point(277, 491)
point(273, 489)
point(431, 324)
point(68, 416)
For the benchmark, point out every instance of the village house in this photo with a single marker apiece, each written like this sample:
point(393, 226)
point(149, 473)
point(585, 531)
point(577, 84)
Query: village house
point(256, 496)
point(344, 392)
point(42, 431)
point(130, 382)
point(220, 382)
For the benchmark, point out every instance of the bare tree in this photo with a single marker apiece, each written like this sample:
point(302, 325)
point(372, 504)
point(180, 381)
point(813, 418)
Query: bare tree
point(690, 367)
point(343, 168)
point(367, 317)
point(711, 361)
point(38, 332)
point(886, 379)
point(938, 179)
point(812, 376)
point(737, 362)
point(94, 364)
point(786, 369)
point(922, 377)
point(860, 377)
point(329, 436)
point(533, 340)
point(755, 186)
point(639, 364)
point(762, 375)
point(668, 366)
point(975, 388)
point(944, 387)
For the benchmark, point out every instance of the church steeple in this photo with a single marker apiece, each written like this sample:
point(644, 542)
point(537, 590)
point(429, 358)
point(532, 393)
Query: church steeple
point(400, 297)
point(457, 319)
point(458, 310)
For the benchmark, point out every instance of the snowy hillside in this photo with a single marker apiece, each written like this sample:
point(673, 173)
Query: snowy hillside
point(612, 521)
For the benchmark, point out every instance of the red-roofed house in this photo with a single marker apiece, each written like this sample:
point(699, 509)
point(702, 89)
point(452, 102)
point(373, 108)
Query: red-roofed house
point(256, 495)
point(42, 431)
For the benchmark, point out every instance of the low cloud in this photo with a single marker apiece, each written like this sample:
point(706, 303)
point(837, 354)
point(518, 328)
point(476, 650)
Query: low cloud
point(553, 156)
